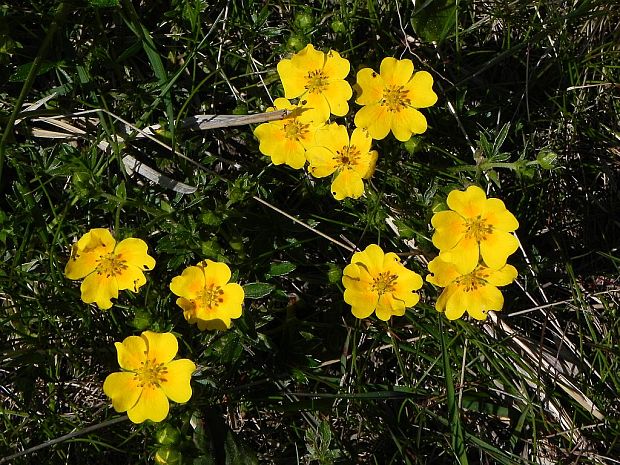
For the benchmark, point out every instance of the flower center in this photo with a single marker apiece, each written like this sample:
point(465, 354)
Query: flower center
point(395, 98)
point(477, 228)
point(211, 296)
point(151, 374)
point(384, 283)
point(317, 81)
point(110, 265)
point(295, 130)
point(472, 281)
point(347, 157)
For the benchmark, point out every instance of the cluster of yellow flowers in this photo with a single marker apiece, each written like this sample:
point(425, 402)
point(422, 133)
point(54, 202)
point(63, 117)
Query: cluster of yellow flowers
point(389, 100)
point(474, 241)
point(151, 377)
point(474, 236)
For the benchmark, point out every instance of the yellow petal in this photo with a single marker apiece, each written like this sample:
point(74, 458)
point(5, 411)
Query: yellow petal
point(220, 325)
point(335, 66)
point(177, 385)
point(318, 103)
point(190, 284)
point(456, 302)
point(152, 405)
point(387, 306)
point(406, 122)
point(468, 204)
point(449, 229)
point(131, 353)
point(337, 95)
point(373, 259)
point(321, 161)
point(232, 300)
point(371, 87)
point(309, 59)
point(362, 303)
point(465, 255)
point(376, 119)
point(497, 247)
point(373, 156)
point(361, 140)
point(293, 78)
point(396, 72)
point(131, 278)
point(347, 183)
point(443, 273)
point(134, 252)
point(420, 89)
point(81, 264)
point(161, 347)
point(99, 288)
point(503, 276)
point(497, 215)
point(483, 300)
point(97, 239)
point(122, 388)
point(216, 273)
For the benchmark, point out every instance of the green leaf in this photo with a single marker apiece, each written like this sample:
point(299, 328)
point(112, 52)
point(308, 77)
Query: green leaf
point(434, 20)
point(237, 453)
point(257, 290)
point(103, 3)
point(21, 72)
point(280, 269)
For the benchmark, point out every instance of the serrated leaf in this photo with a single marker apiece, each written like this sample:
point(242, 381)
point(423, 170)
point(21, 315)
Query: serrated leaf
point(280, 269)
point(434, 20)
point(257, 290)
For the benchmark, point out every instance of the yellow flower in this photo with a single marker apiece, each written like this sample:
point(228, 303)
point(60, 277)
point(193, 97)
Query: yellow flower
point(285, 141)
point(378, 282)
point(206, 296)
point(318, 79)
point(391, 99)
point(350, 160)
point(107, 266)
point(475, 292)
point(150, 378)
point(475, 226)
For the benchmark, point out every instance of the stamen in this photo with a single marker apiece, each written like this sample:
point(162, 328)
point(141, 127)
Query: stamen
point(477, 228)
point(317, 81)
point(384, 283)
point(395, 98)
point(110, 265)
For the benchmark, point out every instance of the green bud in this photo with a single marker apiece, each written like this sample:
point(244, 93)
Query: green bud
point(414, 144)
point(168, 456)
point(338, 26)
point(547, 159)
point(167, 435)
point(296, 42)
point(304, 20)
point(334, 274)
point(141, 320)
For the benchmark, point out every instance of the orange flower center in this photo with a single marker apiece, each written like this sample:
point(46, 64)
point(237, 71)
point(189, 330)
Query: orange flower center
point(317, 81)
point(151, 374)
point(211, 296)
point(395, 98)
point(384, 283)
point(347, 157)
point(110, 265)
point(295, 130)
point(472, 281)
point(477, 228)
